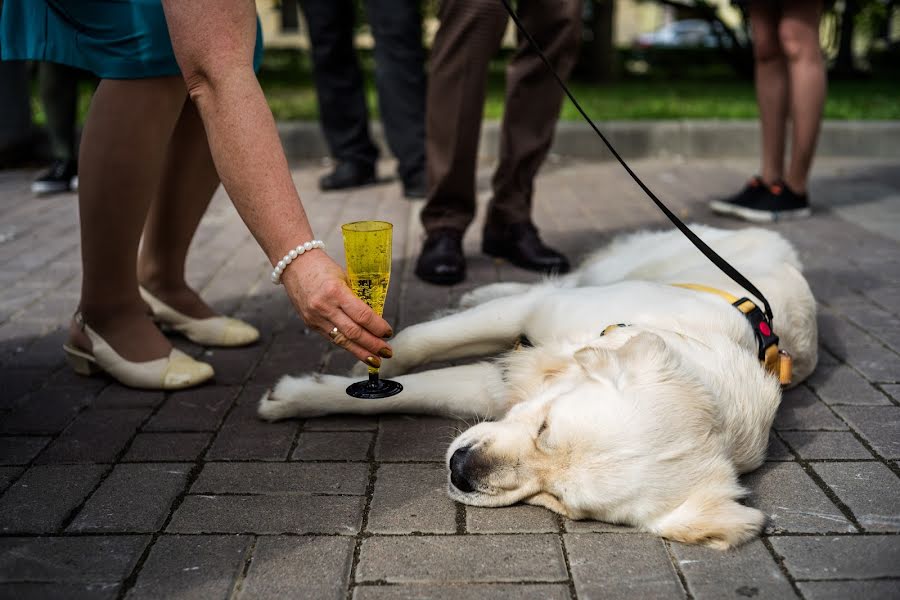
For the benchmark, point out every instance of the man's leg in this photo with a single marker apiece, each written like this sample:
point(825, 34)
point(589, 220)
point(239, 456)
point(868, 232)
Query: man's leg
point(58, 85)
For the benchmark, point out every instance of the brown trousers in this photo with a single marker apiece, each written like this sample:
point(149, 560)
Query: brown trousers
point(469, 35)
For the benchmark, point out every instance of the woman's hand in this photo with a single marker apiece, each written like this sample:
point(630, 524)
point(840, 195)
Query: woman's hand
point(318, 288)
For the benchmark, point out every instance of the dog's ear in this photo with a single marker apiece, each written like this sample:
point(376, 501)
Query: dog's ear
point(646, 346)
point(601, 363)
point(597, 363)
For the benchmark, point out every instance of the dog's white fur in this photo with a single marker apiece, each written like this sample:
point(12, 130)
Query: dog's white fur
point(648, 425)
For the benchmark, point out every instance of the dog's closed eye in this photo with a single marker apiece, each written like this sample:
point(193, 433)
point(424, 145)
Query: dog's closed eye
point(542, 428)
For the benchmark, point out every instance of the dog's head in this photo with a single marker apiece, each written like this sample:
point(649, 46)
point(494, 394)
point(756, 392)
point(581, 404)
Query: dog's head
point(621, 434)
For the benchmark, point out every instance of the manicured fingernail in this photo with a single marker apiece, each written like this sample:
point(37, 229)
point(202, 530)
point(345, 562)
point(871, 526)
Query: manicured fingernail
point(373, 362)
point(389, 334)
point(385, 353)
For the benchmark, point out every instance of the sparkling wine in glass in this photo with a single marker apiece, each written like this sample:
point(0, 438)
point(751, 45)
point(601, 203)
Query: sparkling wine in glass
point(367, 245)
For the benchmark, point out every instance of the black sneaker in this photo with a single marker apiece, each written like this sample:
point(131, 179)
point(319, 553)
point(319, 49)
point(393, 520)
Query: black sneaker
point(779, 203)
point(62, 176)
point(755, 189)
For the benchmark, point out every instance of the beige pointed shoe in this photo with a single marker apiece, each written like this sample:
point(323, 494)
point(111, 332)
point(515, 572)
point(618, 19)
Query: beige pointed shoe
point(213, 331)
point(175, 372)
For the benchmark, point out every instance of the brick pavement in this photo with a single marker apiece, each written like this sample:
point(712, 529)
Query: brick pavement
point(109, 492)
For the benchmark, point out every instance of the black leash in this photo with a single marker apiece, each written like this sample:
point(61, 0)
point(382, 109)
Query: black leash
point(711, 254)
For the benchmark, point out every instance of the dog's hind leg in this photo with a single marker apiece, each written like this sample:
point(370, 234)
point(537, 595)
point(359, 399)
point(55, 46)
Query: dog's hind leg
point(465, 391)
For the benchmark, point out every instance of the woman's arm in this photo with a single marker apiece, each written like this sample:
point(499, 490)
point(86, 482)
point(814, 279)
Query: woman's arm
point(213, 42)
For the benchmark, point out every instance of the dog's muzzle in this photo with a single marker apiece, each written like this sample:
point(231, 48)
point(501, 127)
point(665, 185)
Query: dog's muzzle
point(458, 464)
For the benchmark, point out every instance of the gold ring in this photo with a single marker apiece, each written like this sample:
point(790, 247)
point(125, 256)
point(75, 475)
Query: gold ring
point(334, 333)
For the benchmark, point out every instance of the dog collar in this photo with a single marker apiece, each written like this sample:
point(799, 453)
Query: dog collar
point(774, 360)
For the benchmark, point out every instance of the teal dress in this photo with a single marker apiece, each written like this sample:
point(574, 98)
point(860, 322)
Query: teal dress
point(114, 39)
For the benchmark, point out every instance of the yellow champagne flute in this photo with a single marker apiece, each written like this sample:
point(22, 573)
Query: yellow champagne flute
point(367, 245)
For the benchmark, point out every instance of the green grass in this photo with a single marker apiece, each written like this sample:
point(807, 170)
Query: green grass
point(287, 80)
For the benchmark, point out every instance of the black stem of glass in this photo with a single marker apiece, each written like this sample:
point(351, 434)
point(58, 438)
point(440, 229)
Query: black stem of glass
point(374, 388)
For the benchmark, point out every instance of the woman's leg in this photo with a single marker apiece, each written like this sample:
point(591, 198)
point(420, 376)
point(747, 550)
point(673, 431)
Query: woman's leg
point(189, 180)
point(798, 33)
point(771, 86)
point(121, 160)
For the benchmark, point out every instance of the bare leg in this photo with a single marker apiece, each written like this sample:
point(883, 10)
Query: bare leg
point(771, 87)
point(799, 35)
point(123, 150)
point(189, 180)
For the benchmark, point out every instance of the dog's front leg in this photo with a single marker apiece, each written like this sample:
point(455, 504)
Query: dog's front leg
point(465, 391)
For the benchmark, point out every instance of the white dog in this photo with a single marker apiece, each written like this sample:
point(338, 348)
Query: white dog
point(648, 425)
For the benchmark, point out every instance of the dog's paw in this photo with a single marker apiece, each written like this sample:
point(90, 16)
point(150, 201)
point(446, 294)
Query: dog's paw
point(293, 397)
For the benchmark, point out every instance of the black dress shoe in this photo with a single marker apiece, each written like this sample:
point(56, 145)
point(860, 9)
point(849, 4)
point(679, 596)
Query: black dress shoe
point(442, 260)
point(414, 186)
point(347, 175)
point(519, 244)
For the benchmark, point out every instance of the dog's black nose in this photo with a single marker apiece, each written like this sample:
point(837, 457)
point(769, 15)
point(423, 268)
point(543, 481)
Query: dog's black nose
point(457, 473)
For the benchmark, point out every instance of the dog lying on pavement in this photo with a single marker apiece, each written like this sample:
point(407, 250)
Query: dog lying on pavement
point(647, 423)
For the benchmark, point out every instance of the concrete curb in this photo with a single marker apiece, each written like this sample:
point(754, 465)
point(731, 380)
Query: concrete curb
point(646, 139)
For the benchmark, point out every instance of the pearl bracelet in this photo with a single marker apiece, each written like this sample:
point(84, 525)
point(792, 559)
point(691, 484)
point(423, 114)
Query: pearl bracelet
point(290, 256)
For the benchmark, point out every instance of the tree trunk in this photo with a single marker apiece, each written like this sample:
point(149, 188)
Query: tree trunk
point(843, 63)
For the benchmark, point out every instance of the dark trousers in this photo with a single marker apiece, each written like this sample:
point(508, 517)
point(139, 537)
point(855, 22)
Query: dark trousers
point(399, 78)
point(469, 36)
point(58, 86)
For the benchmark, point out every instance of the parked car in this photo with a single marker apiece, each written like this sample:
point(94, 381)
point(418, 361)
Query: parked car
point(689, 33)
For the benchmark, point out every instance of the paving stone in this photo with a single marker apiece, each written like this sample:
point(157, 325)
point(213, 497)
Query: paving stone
point(892, 390)
point(842, 385)
point(200, 409)
point(117, 396)
point(777, 451)
point(818, 445)
point(869, 489)
point(595, 527)
point(333, 445)
point(510, 519)
point(42, 499)
point(403, 438)
point(792, 501)
point(800, 409)
point(342, 423)
point(244, 436)
point(840, 557)
point(96, 436)
point(748, 571)
point(45, 411)
point(877, 424)
point(191, 567)
point(282, 478)
point(494, 591)
point(83, 559)
point(841, 590)
point(69, 591)
point(167, 447)
point(340, 515)
point(618, 565)
point(233, 365)
point(411, 499)
point(461, 559)
point(8, 475)
point(16, 383)
point(20, 450)
point(133, 498)
point(324, 568)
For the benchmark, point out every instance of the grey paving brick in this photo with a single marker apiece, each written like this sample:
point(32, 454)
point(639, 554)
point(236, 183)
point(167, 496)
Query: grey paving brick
point(282, 478)
point(817, 445)
point(200, 409)
point(117, 396)
point(45, 411)
point(841, 590)
point(133, 498)
point(892, 390)
point(269, 514)
point(792, 501)
point(167, 447)
point(869, 489)
point(595, 527)
point(244, 436)
point(69, 591)
point(96, 436)
point(747, 571)
point(16, 383)
point(877, 424)
point(274, 572)
point(8, 475)
point(800, 409)
point(621, 566)
point(510, 519)
point(842, 385)
point(191, 567)
point(234, 365)
point(333, 445)
point(84, 559)
point(777, 451)
point(342, 423)
point(411, 498)
point(461, 559)
point(402, 438)
point(42, 499)
point(494, 591)
point(19, 450)
point(840, 557)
